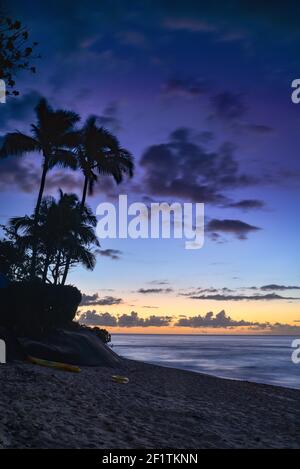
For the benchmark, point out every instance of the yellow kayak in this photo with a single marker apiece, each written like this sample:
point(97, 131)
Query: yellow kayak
point(57, 365)
point(120, 379)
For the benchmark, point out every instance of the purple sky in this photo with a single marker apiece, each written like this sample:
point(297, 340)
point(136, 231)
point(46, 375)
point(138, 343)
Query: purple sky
point(201, 97)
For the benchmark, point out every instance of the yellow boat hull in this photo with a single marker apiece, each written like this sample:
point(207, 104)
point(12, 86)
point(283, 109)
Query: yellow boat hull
point(56, 365)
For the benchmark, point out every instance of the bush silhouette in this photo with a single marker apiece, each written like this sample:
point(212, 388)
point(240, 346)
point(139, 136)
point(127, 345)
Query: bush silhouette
point(32, 307)
point(103, 334)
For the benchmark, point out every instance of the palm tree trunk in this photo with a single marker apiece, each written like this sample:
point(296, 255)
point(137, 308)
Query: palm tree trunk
point(56, 271)
point(44, 278)
point(36, 219)
point(82, 204)
point(84, 193)
point(66, 271)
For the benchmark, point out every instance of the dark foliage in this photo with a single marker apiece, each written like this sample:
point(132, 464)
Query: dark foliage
point(16, 51)
point(44, 246)
point(14, 259)
point(33, 307)
point(102, 334)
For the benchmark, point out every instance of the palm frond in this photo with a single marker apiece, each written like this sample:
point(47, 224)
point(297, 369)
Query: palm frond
point(86, 258)
point(63, 158)
point(71, 139)
point(17, 144)
point(22, 223)
point(67, 118)
point(43, 111)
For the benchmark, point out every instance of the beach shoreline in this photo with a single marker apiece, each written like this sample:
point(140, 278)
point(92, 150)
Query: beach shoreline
point(160, 407)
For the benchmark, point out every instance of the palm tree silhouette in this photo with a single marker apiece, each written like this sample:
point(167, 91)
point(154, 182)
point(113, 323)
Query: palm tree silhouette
point(64, 229)
point(52, 136)
point(78, 234)
point(99, 153)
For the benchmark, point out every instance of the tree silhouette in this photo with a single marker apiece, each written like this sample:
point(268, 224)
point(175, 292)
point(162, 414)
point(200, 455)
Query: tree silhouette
point(64, 228)
point(99, 153)
point(52, 137)
point(16, 51)
point(95, 151)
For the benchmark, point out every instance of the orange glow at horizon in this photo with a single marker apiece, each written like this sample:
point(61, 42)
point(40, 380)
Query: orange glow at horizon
point(272, 312)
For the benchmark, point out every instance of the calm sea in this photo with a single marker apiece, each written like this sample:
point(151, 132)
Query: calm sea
point(263, 359)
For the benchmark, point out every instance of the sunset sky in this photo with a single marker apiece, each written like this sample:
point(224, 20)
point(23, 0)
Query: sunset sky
point(201, 95)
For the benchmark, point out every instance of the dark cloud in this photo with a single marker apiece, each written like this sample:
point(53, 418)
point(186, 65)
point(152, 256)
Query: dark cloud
point(188, 24)
point(124, 320)
point(259, 128)
point(133, 38)
point(113, 254)
point(109, 119)
point(194, 24)
point(229, 294)
point(157, 321)
point(92, 318)
point(159, 282)
point(184, 169)
point(133, 320)
point(184, 88)
point(245, 21)
point(89, 26)
point(247, 204)
point(181, 134)
point(220, 297)
point(237, 227)
point(66, 180)
point(24, 173)
point(223, 321)
point(228, 106)
point(208, 320)
point(66, 27)
point(200, 291)
point(204, 21)
point(220, 320)
point(208, 290)
point(15, 172)
point(274, 286)
point(93, 300)
point(146, 291)
point(18, 111)
point(205, 137)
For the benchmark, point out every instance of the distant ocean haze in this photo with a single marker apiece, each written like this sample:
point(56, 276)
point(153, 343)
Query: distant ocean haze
point(261, 359)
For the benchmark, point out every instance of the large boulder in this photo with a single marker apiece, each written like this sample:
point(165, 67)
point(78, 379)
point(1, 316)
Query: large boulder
point(75, 347)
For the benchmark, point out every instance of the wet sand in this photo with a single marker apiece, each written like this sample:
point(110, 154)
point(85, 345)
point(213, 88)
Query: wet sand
point(158, 408)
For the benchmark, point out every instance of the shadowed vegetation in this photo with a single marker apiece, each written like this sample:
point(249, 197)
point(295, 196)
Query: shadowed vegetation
point(16, 52)
point(59, 235)
point(39, 250)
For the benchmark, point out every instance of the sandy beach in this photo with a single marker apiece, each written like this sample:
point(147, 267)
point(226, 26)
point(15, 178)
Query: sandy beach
point(158, 408)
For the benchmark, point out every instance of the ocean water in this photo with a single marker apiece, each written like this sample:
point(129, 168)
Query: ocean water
point(262, 359)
